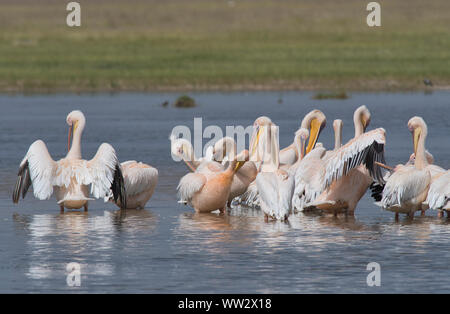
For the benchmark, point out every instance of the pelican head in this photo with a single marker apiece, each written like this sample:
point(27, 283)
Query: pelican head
point(225, 147)
point(337, 127)
point(418, 128)
point(182, 148)
point(74, 119)
point(362, 117)
point(314, 121)
point(260, 125)
point(301, 136)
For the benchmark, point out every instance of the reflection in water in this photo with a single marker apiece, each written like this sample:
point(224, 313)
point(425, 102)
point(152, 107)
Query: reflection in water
point(77, 236)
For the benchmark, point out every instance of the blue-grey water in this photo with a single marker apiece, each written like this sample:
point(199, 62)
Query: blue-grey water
point(167, 248)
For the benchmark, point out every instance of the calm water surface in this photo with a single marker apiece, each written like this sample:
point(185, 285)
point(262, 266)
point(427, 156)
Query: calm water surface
point(167, 248)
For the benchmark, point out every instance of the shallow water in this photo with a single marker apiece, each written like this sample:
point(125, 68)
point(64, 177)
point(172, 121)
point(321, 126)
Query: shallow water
point(167, 248)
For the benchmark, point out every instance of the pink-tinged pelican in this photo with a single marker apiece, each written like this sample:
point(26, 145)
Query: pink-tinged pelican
point(71, 176)
point(224, 151)
point(140, 182)
point(209, 190)
point(275, 186)
point(439, 193)
point(336, 181)
point(407, 188)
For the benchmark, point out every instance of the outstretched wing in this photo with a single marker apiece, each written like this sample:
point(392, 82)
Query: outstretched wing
point(106, 174)
point(37, 169)
point(138, 177)
point(189, 185)
point(365, 149)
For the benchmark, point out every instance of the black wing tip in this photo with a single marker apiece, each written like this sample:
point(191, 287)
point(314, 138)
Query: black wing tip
point(118, 187)
point(376, 190)
point(22, 184)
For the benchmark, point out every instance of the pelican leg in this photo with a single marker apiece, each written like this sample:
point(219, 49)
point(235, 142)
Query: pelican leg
point(61, 209)
point(266, 218)
point(86, 207)
point(422, 213)
point(396, 217)
point(441, 214)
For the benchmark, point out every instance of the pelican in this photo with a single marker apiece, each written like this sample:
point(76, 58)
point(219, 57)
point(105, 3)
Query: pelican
point(314, 122)
point(208, 191)
point(140, 182)
point(183, 149)
point(275, 186)
point(71, 176)
point(225, 150)
point(336, 180)
point(439, 194)
point(407, 188)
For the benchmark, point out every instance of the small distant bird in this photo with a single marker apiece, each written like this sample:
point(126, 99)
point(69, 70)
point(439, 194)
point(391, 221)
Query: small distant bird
point(165, 104)
point(427, 82)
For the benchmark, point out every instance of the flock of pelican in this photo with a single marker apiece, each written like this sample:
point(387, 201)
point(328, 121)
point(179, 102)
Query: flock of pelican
point(304, 176)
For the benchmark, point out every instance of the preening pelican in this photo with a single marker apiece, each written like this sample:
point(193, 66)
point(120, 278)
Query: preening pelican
point(225, 150)
point(314, 121)
point(275, 186)
point(183, 149)
point(140, 182)
point(300, 138)
point(208, 191)
point(439, 193)
point(71, 176)
point(407, 187)
point(335, 182)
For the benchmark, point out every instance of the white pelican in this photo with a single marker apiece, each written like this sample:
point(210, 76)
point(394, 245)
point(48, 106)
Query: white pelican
point(183, 149)
point(407, 188)
point(140, 182)
point(71, 176)
point(225, 150)
point(209, 190)
point(336, 181)
point(275, 186)
point(439, 193)
point(314, 121)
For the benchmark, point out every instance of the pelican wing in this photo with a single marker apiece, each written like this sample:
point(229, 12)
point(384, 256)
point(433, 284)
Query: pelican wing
point(439, 193)
point(104, 174)
point(37, 169)
point(138, 177)
point(404, 185)
point(275, 191)
point(309, 179)
point(190, 184)
point(365, 149)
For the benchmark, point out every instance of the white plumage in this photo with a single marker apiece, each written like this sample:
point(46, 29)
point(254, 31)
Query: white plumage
point(439, 193)
point(71, 176)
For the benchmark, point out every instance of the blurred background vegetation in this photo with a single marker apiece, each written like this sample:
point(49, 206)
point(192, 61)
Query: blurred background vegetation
point(223, 45)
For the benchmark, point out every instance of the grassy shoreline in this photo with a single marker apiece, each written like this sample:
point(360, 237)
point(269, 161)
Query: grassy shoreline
point(197, 45)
